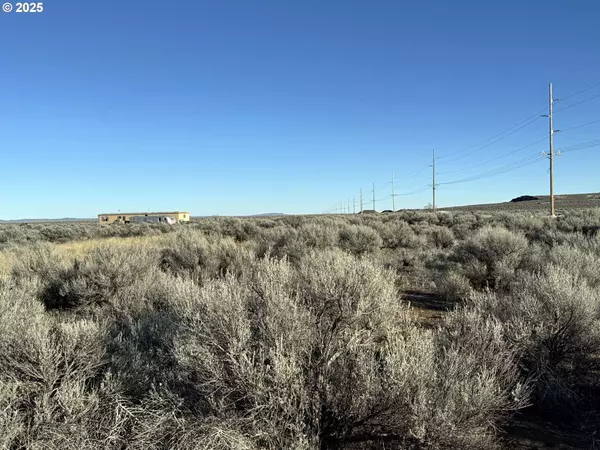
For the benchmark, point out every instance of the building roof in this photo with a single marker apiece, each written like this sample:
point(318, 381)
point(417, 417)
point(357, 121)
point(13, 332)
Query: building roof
point(142, 213)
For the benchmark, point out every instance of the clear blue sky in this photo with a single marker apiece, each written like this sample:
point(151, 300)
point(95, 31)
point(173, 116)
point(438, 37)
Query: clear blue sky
point(240, 107)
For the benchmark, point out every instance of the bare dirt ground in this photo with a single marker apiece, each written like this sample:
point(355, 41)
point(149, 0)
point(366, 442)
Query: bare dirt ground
point(527, 430)
point(562, 202)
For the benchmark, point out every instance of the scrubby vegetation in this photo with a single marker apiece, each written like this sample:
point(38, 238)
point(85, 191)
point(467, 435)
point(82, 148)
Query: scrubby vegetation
point(24, 233)
point(298, 332)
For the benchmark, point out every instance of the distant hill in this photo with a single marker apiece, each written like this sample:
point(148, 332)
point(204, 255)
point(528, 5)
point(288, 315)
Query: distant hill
point(541, 203)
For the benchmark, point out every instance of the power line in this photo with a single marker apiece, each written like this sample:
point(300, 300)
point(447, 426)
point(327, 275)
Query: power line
point(577, 93)
point(578, 103)
point(423, 189)
point(580, 146)
point(529, 119)
point(413, 174)
point(509, 167)
point(495, 159)
point(494, 173)
point(579, 126)
point(382, 185)
point(495, 141)
point(524, 162)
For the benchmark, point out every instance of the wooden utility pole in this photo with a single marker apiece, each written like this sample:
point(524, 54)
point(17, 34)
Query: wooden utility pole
point(373, 197)
point(393, 195)
point(361, 201)
point(354, 204)
point(433, 180)
point(550, 101)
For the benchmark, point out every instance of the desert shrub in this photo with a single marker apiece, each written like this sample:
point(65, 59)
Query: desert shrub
point(315, 235)
point(453, 286)
point(280, 242)
point(553, 320)
point(12, 234)
point(359, 239)
point(237, 350)
point(41, 261)
point(53, 390)
point(96, 279)
point(240, 230)
point(585, 221)
point(293, 221)
point(324, 355)
point(99, 278)
point(209, 226)
point(490, 257)
point(264, 223)
point(259, 333)
point(158, 422)
point(440, 237)
point(187, 252)
point(60, 232)
point(535, 259)
point(414, 217)
point(191, 253)
point(476, 383)
point(578, 261)
point(413, 268)
point(464, 224)
point(396, 234)
point(138, 346)
point(446, 218)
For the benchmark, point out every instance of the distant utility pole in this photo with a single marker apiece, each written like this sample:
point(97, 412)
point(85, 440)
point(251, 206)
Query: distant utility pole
point(373, 196)
point(433, 180)
point(393, 195)
point(550, 154)
point(348, 206)
point(354, 204)
point(550, 101)
point(361, 201)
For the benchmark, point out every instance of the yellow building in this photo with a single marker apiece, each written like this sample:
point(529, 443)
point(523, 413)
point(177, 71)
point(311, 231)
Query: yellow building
point(157, 217)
